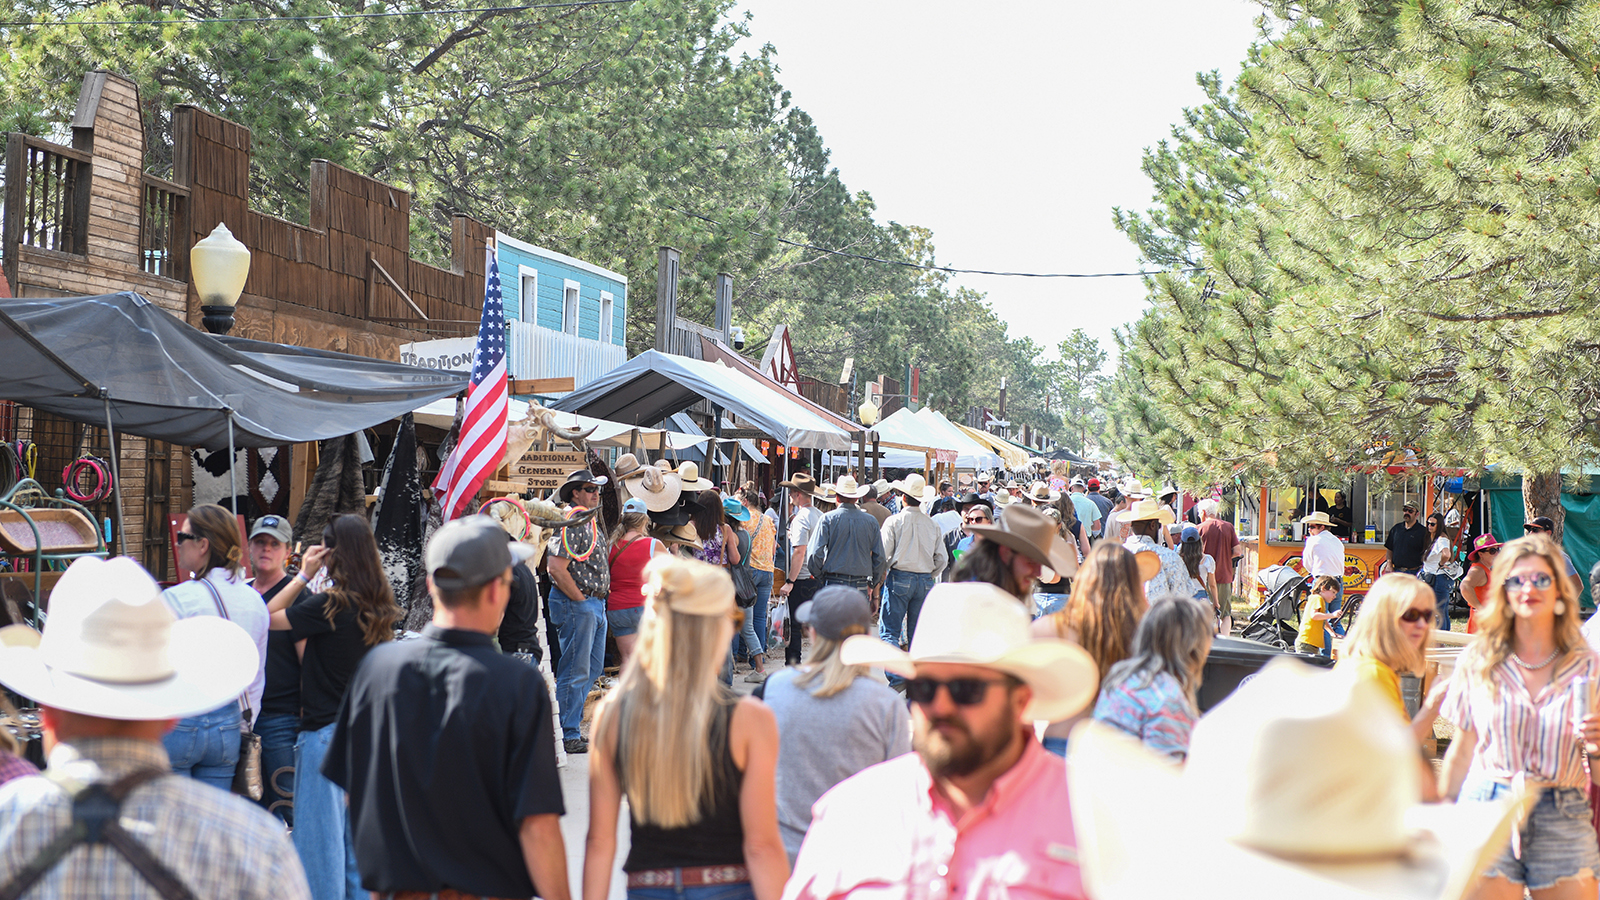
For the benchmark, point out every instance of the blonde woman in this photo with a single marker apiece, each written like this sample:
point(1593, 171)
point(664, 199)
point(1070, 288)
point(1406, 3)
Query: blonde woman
point(695, 762)
point(1522, 701)
point(1390, 638)
point(833, 720)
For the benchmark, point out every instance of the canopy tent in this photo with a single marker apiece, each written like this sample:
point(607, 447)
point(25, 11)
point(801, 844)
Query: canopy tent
point(654, 385)
point(683, 423)
point(902, 427)
point(1016, 459)
point(1068, 455)
point(441, 414)
point(970, 453)
point(122, 361)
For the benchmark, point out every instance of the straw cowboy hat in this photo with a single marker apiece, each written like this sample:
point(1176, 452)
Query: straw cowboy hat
point(1259, 770)
point(1146, 510)
point(1041, 493)
point(977, 624)
point(113, 649)
point(659, 490)
point(883, 487)
point(912, 485)
point(1134, 488)
point(628, 466)
point(1032, 534)
point(847, 488)
point(1318, 518)
point(684, 534)
point(689, 474)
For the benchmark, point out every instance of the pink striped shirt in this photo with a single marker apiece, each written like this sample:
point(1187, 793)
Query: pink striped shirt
point(887, 834)
point(1519, 733)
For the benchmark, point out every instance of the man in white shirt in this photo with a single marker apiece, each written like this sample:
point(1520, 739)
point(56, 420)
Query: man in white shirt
point(798, 585)
point(1324, 555)
point(914, 547)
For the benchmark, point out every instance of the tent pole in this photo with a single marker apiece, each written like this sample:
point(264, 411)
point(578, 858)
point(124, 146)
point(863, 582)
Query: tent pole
point(233, 482)
point(116, 477)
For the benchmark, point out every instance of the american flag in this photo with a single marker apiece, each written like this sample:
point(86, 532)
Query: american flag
point(483, 430)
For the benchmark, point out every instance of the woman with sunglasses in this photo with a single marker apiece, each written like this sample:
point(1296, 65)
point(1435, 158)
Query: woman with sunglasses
point(1433, 563)
point(1522, 701)
point(333, 629)
point(1390, 638)
point(210, 551)
point(696, 762)
point(1484, 550)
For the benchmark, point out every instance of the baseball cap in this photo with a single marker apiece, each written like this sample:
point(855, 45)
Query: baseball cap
point(277, 526)
point(471, 551)
point(1542, 523)
point(1191, 534)
point(1409, 504)
point(635, 505)
point(835, 608)
point(1093, 484)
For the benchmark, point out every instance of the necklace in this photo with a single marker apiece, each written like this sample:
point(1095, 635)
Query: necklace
point(1532, 667)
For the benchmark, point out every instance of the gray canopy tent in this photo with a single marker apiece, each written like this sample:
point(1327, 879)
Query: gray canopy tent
point(119, 361)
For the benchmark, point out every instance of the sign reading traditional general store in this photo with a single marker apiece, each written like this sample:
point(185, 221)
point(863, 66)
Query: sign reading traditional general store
point(546, 468)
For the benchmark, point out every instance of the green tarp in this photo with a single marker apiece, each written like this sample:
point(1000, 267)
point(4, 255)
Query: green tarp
point(1580, 528)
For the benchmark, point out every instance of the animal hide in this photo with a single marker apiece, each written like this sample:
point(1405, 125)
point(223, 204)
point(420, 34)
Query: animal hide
point(399, 518)
point(610, 496)
point(336, 488)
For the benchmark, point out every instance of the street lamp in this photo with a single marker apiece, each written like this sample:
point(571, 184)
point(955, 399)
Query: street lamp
point(868, 413)
point(220, 265)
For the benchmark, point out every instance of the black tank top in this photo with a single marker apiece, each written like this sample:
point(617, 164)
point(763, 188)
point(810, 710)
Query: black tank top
point(717, 839)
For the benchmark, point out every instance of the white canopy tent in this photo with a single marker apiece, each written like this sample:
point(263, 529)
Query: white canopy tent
point(441, 413)
point(972, 455)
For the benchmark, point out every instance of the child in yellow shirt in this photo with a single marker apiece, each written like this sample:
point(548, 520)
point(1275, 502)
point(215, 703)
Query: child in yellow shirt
point(1314, 617)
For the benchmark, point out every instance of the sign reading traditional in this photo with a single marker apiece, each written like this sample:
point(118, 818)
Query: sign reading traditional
point(545, 469)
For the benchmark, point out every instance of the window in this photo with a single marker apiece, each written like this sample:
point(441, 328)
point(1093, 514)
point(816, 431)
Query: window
point(569, 308)
point(606, 307)
point(528, 295)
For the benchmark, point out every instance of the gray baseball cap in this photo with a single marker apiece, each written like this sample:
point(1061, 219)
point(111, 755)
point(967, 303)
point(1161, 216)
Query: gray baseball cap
point(277, 526)
point(470, 551)
point(835, 608)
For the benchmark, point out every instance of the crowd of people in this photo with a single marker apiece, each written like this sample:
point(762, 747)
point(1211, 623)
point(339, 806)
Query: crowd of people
point(973, 684)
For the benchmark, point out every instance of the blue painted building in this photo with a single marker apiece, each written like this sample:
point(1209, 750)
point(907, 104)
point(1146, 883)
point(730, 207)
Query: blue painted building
point(566, 316)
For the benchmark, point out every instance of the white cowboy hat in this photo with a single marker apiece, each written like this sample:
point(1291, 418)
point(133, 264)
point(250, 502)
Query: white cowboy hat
point(1317, 518)
point(689, 474)
point(977, 624)
point(846, 487)
point(1040, 492)
point(113, 649)
point(1307, 786)
point(1146, 510)
point(659, 490)
point(1032, 534)
point(913, 485)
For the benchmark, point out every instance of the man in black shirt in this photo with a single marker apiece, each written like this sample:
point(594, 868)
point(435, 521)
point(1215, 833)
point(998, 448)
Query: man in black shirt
point(1407, 542)
point(447, 747)
point(279, 722)
point(517, 635)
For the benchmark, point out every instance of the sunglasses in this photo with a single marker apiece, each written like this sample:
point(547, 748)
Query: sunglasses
point(963, 691)
point(1537, 582)
point(586, 490)
point(977, 518)
point(1413, 615)
point(186, 536)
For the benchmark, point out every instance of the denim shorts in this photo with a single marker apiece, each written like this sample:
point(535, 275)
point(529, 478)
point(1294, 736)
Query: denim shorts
point(1048, 603)
point(1558, 840)
point(623, 622)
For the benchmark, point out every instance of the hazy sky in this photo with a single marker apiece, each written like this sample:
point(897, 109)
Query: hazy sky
point(1009, 130)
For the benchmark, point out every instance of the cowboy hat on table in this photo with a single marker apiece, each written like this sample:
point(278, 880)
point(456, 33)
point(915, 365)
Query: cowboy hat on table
point(1301, 784)
point(1031, 533)
point(113, 649)
point(628, 466)
point(659, 490)
point(684, 534)
point(689, 474)
point(977, 624)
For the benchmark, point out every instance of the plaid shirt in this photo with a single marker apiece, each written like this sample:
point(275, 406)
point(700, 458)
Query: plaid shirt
point(218, 844)
point(13, 767)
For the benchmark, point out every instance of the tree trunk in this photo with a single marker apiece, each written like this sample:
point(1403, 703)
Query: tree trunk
point(1541, 496)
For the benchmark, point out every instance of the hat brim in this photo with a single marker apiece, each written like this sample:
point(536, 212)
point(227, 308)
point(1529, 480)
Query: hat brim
point(1060, 557)
point(1149, 562)
point(803, 486)
point(857, 494)
point(735, 516)
point(1162, 515)
point(1063, 677)
point(1127, 802)
point(654, 501)
point(213, 661)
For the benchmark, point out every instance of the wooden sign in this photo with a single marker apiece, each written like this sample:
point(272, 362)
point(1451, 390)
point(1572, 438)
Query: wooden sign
point(545, 469)
point(743, 434)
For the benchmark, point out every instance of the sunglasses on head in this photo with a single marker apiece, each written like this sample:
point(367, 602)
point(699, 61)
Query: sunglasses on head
point(963, 691)
point(186, 536)
point(1413, 614)
point(1538, 582)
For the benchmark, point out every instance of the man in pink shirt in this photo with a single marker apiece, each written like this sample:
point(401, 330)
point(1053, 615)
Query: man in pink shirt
point(980, 808)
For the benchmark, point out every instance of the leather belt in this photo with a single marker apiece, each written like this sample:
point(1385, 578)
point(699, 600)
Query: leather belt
point(696, 876)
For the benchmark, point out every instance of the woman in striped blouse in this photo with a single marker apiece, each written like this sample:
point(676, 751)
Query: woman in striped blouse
point(1522, 700)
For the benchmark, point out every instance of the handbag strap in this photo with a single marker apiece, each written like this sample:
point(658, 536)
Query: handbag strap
point(618, 551)
point(216, 597)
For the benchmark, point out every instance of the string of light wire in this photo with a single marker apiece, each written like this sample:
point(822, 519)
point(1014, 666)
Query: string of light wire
point(399, 13)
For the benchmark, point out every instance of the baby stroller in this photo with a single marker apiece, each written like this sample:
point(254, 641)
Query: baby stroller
point(1276, 622)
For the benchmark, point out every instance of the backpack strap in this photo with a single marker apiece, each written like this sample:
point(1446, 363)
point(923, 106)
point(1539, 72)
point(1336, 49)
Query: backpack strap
point(95, 812)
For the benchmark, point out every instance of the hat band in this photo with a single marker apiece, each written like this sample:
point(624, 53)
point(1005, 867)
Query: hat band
point(114, 682)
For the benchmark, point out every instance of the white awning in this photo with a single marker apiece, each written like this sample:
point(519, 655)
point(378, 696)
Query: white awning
point(441, 413)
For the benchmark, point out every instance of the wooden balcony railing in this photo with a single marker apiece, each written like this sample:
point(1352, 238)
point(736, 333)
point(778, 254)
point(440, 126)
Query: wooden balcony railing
point(163, 220)
point(47, 195)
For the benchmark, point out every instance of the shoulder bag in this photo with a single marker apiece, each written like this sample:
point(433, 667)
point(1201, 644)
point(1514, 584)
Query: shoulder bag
point(247, 774)
point(744, 581)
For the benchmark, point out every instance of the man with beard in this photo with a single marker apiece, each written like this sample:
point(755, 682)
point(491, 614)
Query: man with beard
point(980, 807)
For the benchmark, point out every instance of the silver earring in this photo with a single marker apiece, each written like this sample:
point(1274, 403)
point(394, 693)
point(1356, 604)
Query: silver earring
point(1561, 607)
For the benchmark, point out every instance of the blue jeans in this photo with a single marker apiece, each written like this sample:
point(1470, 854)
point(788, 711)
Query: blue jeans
point(1056, 745)
point(322, 823)
point(1441, 598)
point(278, 732)
point(1052, 603)
point(737, 891)
point(581, 632)
point(763, 579)
point(206, 747)
point(903, 593)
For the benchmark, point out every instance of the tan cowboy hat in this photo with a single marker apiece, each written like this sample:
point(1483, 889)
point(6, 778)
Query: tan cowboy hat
point(1040, 492)
point(1032, 534)
point(847, 488)
point(684, 534)
point(1259, 771)
point(113, 649)
point(1318, 518)
point(800, 482)
point(1149, 564)
point(659, 490)
point(689, 474)
point(1001, 498)
point(627, 466)
point(912, 485)
point(1146, 510)
point(977, 624)
point(825, 493)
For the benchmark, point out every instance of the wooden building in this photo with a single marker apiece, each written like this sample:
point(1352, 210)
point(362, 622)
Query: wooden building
point(87, 219)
